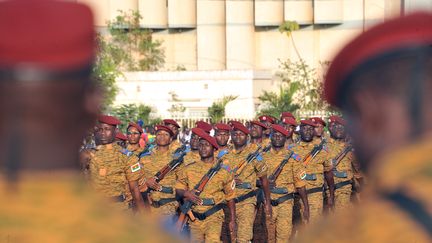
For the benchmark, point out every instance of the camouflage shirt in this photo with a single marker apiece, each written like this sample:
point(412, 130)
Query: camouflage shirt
point(346, 164)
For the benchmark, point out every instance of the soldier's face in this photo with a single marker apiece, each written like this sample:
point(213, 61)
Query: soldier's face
point(239, 138)
point(307, 132)
point(174, 129)
point(337, 130)
point(256, 131)
point(222, 137)
point(268, 130)
point(278, 139)
point(133, 135)
point(105, 133)
point(205, 149)
point(319, 130)
point(163, 138)
point(194, 142)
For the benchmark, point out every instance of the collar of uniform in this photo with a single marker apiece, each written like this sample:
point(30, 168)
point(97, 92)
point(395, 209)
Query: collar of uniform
point(273, 151)
point(306, 144)
point(139, 149)
point(158, 152)
point(397, 167)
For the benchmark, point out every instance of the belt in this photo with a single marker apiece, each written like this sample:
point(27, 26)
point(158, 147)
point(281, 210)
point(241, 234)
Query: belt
point(207, 202)
point(282, 199)
point(279, 190)
point(342, 184)
point(340, 174)
point(161, 202)
point(245, 196)
point(120, 198)
point(211, 211)
point(244, 185)
point(310, 177)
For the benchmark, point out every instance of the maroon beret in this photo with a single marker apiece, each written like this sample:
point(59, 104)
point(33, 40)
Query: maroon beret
point(318, 120)
point(204, 126)
point(132, 124)
point(413, 30)
point(280, 129)
point(337, 119)
point(289, 121)
point(267, 118)
point(110, 120)
point(308, 122)
point(121, 136)
point(204, 135)
point(54, 35)
point(170, 121)
point(164, 128)
point(259, 124)
point(287, 114)
point(222, 126)
point(239, 126)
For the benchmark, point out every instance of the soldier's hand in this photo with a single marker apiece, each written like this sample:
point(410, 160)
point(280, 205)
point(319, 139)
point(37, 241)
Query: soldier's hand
point(151, 182)
point(190, 196)
point(268, 210)
point(306, 215)
point(272, 184)
point(233, 230)
point(330, 202)
point(238, 181)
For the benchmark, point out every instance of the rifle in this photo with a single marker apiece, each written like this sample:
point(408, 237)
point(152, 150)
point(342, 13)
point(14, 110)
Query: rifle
point(185, 209)
point(308, 158)
point(239, 168)
point(336, 160)
point(178, 156)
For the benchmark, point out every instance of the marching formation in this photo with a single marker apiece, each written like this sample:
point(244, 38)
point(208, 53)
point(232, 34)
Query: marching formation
point(213, 188)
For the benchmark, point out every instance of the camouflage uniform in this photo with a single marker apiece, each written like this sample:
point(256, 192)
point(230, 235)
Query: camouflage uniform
point(58, 207)
point(151, 165)
point(192, 156)
point(246, 209)
point(135, 151)
point(378, 219)
point(220, 188)
point(111, 168)
point(280, 227)
point(175, 145)
point(342, 194)
point(317, 166)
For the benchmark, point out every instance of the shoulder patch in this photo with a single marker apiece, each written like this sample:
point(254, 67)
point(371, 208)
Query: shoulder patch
point(226, 167)
point(126, 152)
point(135, 167)
point(296, 157)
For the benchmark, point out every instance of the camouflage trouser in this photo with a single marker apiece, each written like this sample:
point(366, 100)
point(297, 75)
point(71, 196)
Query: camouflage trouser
point(280, 226)
point(245, 214)
point(207, 230)
point(343, 197)
point(315, 206)
point(166, 210)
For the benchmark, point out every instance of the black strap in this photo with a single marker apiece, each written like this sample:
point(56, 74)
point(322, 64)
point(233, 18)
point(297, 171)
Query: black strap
point(161, 202)
point(342, 184)
point(119, 198)
point(245, 196)
point(283, 199)
point(414, 208)
point(211, 211)
point(314, 190)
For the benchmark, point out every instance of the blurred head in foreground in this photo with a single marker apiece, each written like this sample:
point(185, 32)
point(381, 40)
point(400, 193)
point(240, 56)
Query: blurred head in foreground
point(382, 82)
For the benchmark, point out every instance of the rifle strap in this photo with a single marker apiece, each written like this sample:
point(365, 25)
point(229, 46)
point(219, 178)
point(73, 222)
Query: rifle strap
point(413, 208)
point(343, 154)
point(162, 202)
point(245, 196)
point(211, 211)
point(282, 199)
point(342, 184)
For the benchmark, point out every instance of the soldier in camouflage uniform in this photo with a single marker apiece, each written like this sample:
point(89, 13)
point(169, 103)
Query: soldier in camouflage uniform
point(219, 189)
point(175, 127)
point(256, 134)
point(134, 132)
point(290, 125)
point(320, 125)
point(193, 154)
point(312, 172)
point(222, 135)
point(246, 182)
point(267, 120)
point(343, 171)
point(163, 202)
point(114, 171)
point(289, 181)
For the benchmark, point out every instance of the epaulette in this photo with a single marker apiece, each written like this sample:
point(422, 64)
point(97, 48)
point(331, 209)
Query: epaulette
point(227, 168)
point(126, 152)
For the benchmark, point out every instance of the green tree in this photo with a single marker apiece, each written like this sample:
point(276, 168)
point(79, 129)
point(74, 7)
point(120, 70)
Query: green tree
point(217, 110)
point(134, 47)
point(275, 103)
point(133, 112)
point(105, 72)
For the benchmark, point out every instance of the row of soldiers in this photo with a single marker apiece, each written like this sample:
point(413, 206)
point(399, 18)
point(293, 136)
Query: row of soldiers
point(263, 166)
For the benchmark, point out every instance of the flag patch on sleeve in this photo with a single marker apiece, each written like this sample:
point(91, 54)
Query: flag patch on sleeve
point(136, 167)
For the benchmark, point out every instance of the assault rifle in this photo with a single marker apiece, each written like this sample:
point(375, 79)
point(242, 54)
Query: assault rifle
point(309, 157)
point(336, 160)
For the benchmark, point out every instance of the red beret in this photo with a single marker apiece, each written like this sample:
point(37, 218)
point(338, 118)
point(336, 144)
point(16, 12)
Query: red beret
point(204, 135)
point(222, 126)
point(308, 122)
point(164, 128)
point(204, 126)
point(318, 120)
point(287, 114)
point(132, 124)
point(110, 120)
point(267, 118)
point(280, 129)
point(239, 126)
point(259, 124)
point(53, 35)
point(289, 121)
point(337, 119)
point(121, 136)
point(170, 121)
point(401, 33)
